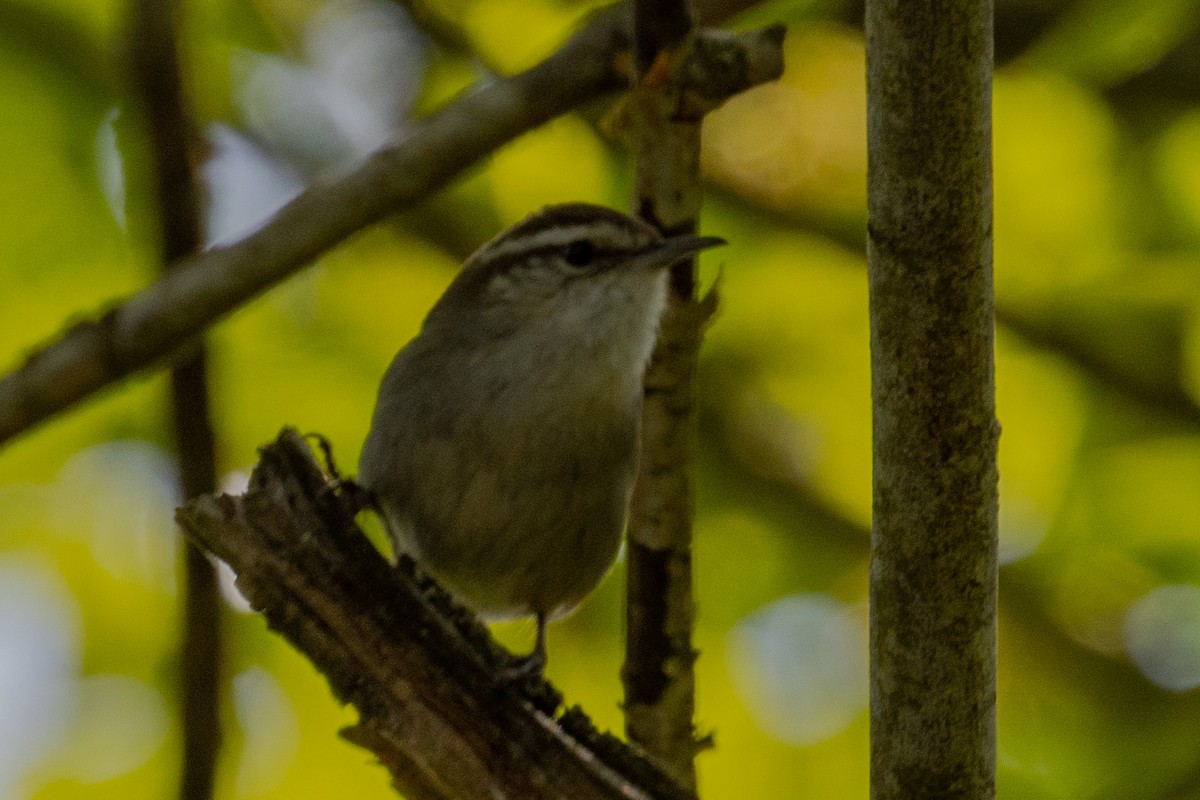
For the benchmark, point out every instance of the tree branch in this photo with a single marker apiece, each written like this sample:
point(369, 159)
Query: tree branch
point(420, 670)
point(663, 118)
point(155, 73)
point(163, 318)
point(659, 27)
point(658, 671)
point(933, 542)
point(160, 319)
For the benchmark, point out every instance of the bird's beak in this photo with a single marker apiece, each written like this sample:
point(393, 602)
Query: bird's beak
point(675, 249)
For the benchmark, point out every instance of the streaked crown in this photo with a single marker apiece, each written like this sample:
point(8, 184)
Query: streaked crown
point(576, 231)
point(563, 255)
point(558, 244)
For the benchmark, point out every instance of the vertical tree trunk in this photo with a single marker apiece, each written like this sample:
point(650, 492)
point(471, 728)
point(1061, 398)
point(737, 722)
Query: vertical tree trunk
point(681, 74)
point(658, 676)
point(933, 569)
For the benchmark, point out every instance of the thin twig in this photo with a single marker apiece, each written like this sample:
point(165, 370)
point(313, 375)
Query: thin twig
point(658, 675)
point(663, 123)
point(156, 76)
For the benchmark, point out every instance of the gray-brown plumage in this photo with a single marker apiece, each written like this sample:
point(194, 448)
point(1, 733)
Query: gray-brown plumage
point(502, 450)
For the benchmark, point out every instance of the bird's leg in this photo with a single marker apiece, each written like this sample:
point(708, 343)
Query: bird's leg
point(538, 656)
point(523, 667)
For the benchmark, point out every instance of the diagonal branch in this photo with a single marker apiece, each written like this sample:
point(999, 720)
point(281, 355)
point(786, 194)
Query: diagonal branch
point(420, 670)
point(160, 319)
point(157, 322)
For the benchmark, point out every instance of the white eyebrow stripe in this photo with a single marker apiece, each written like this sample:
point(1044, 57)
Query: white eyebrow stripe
point(602, 233)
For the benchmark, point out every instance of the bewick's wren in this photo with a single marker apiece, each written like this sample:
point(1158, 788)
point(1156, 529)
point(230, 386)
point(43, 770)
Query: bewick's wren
point(504, 442)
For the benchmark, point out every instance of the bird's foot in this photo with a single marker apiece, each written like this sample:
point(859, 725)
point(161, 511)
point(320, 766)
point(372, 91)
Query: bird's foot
point(522, 668)
point(353, 497)
point(529, 667)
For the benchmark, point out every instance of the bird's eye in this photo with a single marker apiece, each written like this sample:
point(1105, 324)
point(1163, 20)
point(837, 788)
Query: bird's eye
point(579, 253)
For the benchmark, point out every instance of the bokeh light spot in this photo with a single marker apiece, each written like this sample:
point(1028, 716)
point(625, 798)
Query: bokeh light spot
point(269, 728)
point(120, 723)
point(38, 663)
point(1162, 636)
point(800, 663)
point(120, 497)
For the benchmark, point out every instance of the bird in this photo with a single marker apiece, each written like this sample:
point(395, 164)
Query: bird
point(504, 442)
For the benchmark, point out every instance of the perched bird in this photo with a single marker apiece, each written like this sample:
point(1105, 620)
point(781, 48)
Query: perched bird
point(504, 442)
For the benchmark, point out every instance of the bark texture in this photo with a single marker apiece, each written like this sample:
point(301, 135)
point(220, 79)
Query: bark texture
point(420, 670)
point(663, 115)
point(933, 568)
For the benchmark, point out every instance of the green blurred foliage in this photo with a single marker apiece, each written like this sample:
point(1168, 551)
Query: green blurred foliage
point(1097, 219)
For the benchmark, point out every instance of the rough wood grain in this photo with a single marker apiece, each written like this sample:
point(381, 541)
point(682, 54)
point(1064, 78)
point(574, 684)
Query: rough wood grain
point(419, 669)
